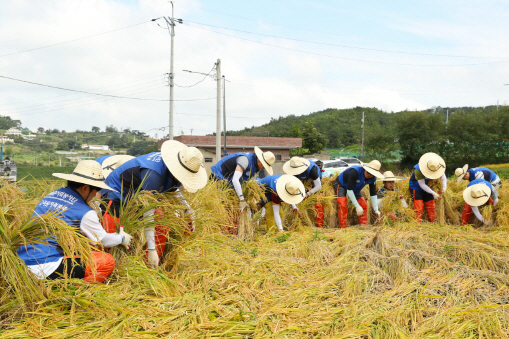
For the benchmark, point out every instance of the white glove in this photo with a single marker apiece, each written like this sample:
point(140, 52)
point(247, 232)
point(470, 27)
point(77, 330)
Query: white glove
point(242, 206)
point(436, 196)
point(359, 210)
point(126, 238)
point(377, 213)
point(495, 201)
point(153, 258)
point(488, 223)
point(444, 189)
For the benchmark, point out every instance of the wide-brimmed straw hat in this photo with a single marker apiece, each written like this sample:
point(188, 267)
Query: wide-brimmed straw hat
point(185, 163)
point(432, 165)
point(87, 172)
point(296, 166)
point(290, 189)
point(114, 162)
point(266, 158)
point(477, 195)
point(460, 172)
point(389, 176)
point(373, 168)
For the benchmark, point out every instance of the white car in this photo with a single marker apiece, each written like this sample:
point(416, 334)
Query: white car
point(332, 168)
point(350, 161)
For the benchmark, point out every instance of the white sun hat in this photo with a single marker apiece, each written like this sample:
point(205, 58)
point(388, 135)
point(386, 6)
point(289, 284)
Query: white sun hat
point(389, 176)
point(373, 168)
point(290, 189)
point(185, 163)
point(432, 165)
point(296, 166)
point(477, 195)
point(266, 158)
point(114, 162)
point(460, 172)
point(87, 172)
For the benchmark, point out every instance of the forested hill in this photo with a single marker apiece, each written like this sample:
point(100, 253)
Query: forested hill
point(342, 127)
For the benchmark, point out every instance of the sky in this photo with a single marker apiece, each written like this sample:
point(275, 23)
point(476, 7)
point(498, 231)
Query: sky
point(279, 57)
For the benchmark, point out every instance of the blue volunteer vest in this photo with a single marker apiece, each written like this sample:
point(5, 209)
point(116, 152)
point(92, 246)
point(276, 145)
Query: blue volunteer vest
point(269, 182)
point(152, 161)
point(225, 168)
point(413, 181)
point(489, 175)
point(305, 175)
point(73, 209)
point(101, 159)
point(481, 181)
point(361, 179)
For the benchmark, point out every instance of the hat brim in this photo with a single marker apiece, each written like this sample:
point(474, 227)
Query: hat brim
point(423, 165)
point(284, 195)
point(465, 169)
point(114, 162)
point(75, 178)
point(191, 181)
point(372, 171)
point(259, 155)
point(390, 179)
point(287, 167)
point(467, 195)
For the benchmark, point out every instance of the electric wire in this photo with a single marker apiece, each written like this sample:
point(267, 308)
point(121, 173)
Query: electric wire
point(205, 77)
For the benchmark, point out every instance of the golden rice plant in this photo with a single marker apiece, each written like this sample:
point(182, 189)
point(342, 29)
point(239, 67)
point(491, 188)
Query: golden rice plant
point(254, 193)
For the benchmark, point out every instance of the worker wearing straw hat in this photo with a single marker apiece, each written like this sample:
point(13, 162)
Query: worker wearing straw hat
point(389, 180)
point(237, 167)
point(464, 173)
point(350, 183)
point(109, 163)
point(70, 204)
point(279, 188)
point(166, 171)
point(430, 167)
point(304, 169)
point(478, 193)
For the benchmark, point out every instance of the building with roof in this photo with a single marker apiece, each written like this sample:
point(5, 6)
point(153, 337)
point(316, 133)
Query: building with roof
point(13, 131)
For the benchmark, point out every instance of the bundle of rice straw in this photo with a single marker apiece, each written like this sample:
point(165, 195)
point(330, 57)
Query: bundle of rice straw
point(253, 194)
point(327, 197)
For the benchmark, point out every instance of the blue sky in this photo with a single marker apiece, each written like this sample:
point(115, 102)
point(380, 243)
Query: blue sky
point(391, 55)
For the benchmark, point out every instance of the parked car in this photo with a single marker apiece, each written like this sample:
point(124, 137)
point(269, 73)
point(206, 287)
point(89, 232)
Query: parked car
point(351, 161)
point(332, 168)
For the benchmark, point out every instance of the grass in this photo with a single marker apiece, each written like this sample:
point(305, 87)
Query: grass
point(395, 280)
point(41, 172)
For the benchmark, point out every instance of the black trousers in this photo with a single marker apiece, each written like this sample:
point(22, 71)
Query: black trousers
point(76, 270)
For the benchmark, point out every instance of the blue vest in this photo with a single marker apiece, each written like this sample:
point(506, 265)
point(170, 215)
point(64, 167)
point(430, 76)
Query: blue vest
point(481, 181)
point(225, 168)
point(101, 159)
point(72, 207)
point(152, 161)
point(361, 179)
point(269, 182)
point(413, 181)
point(489, 175)
point(305, 175)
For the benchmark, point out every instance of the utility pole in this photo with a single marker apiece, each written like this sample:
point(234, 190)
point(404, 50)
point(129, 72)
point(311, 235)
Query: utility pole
point(447, 118)
point(224, 114)
point(218, 122)
point(362, 142)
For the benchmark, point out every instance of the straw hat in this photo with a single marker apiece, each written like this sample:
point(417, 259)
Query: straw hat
point(432, 165)
point(389, 176)
point(266, 158)
point(87, 172)
point(477, 195)
point(296, 166)
point(114, 162)
point(460, 172)
point(185, 163)
point(290, 189)
point(374, 168)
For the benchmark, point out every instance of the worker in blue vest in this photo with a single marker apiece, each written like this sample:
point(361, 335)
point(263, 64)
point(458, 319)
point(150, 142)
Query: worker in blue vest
point(478, 193)
point(70, 204)
point(477, 173)
point(166, 171)
point(304, 169)
point(109, 163)
point(350, 183)
point(286, 188)
point(430, 167)
point(237, 167)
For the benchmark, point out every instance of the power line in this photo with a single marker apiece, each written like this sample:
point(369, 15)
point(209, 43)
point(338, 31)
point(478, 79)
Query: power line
point(68, 41)
point(344, 58)
point(205, 77)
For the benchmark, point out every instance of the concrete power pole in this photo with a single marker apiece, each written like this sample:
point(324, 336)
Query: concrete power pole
point(218, 122)
point(362, 142)
point(224, 114)
point(171, 26)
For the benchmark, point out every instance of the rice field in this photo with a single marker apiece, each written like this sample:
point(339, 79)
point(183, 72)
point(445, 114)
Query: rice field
point(392, 279)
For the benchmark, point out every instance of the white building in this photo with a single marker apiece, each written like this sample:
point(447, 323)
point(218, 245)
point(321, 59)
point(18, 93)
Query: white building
point(13, 131)
point(96, 147)
point(6, 140)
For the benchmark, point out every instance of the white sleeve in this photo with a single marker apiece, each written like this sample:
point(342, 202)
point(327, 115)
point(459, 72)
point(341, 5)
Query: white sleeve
point(150, 231)
point(425, 188)
point(478, 215)
point(93, 230)
point(236, 184)
point(444, 181)
point(317, 185)
point(294, 206)
point(277, 217)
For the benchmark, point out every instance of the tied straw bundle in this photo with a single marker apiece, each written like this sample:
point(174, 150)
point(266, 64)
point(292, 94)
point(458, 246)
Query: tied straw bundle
point(253, 195)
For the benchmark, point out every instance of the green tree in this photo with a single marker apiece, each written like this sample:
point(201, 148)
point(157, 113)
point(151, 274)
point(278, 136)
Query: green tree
point(95, 129)
point(381, 142)
point(313, 140)
point(139, 148)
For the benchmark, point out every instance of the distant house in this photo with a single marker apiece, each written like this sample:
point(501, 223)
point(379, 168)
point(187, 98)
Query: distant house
point(29, 136)
point(96, 147)
point(6, 140)
point(13, 131)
